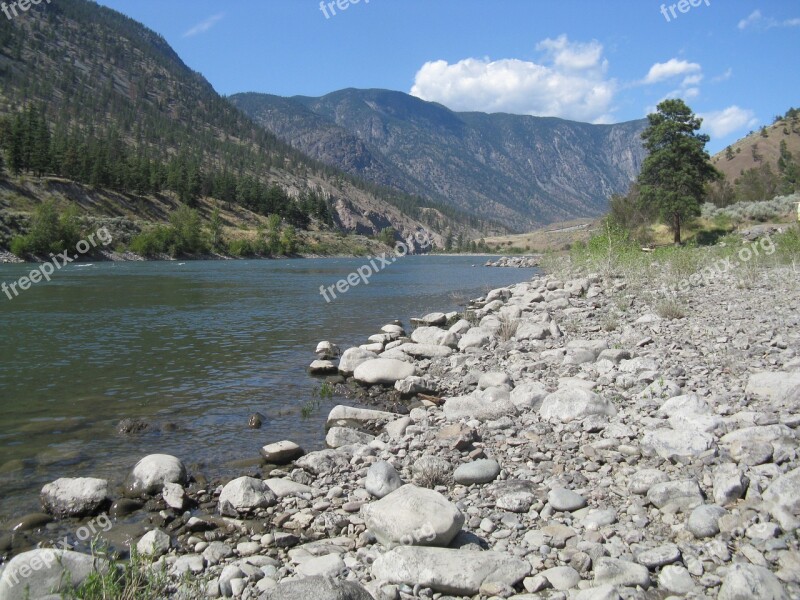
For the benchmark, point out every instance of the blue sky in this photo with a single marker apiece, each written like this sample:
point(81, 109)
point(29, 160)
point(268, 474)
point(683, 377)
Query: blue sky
point(733, 61)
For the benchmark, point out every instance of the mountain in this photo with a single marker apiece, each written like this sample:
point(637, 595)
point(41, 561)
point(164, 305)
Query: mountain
point(761, 147)
point(519, 170)
point(114, 107)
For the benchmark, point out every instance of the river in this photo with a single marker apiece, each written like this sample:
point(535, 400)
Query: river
point(197, 345)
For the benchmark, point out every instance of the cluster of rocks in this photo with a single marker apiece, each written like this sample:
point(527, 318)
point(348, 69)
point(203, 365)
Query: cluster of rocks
point(517, 262)
point(543, 457)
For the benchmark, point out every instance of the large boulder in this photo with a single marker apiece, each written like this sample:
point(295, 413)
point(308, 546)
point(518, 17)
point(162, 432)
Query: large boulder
point(383, 371)
point(413, 516)
point(75, 497)
point(152, 472)
point(477, 337)
point(318, 588)
point(459, 572)
point(322, 462)
point(244, 495)
point(683, 495)
point(573, 404)
point(352, 358)
point(43, 573)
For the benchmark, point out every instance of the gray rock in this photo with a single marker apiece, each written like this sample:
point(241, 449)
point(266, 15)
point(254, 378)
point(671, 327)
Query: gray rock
point(397, 428)
point(350, 416)
point(382, 479)
point(471, 407)
point(782, 499)
point(747, 582)
point(778, 386)
point(532, 331)
point(658, 557)
point(42, 572)
point(434, 336)
point(704, 520)
point(613, 571)
point(477, 337)
point(676, 579)
point(174, 495)
point(675, 444)
point(729, 484)
point(345, 436)
point(682, 495)
point(286, 487)
point(74, 497)
point(153, 543)
point(383, 371)
point(601, 592)
point(244, 495)
point(529, 396)
point(459, 572)
point(562, 578)
point(565, 500)
point(424, 350)
point(495, 379)
point(318, 588)
point(323, 462)
point(352, 358)
point(416, 385)
point(643, 480)
point(575, 404)
point(322, 367)
point(328, 565)
point(152, 472)
point(515, 501)
point(413, 516)
point(281, 453)
point(477, 472)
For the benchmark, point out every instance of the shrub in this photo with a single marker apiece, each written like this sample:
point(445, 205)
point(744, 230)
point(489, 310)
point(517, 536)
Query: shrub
point(154, 242)
point(670, 309)
point(49, 232)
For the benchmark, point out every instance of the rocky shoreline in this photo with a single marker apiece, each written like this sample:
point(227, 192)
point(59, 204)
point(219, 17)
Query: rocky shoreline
point(545, 454)
point(516, 262)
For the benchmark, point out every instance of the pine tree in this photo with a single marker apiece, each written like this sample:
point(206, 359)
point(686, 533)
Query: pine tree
point(675, 172)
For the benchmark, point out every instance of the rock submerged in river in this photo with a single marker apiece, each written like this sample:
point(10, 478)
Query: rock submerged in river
point(281, 453)
point(75, 497)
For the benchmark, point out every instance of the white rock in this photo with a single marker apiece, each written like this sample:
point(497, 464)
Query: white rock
point(244, 495)
point(747, 582)
point(352, 358)
point(153, 543)
point(575, 404)
point(281, 453)
point(384, 371)
point(40, 573)
point(74, 497)
point(152, 472)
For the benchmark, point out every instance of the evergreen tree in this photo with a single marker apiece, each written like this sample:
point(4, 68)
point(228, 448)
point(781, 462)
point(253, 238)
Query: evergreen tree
point(677, 168)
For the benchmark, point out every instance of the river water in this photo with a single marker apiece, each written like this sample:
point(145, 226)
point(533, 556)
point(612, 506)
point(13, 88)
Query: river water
point(198, 345)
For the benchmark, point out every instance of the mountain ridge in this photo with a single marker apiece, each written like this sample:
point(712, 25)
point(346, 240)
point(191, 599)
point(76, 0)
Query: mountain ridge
point(524, 171)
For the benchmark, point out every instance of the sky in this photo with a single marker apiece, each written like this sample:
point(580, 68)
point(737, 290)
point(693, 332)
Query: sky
point(598, 61)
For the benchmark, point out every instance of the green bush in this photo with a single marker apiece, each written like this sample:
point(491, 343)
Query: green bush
point(154, 242)
point(49, 232)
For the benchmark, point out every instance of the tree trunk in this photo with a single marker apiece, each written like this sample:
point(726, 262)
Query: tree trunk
point(676, 229)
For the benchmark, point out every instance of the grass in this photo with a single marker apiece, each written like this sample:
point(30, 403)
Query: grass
point(670, 309)
point(134, 579)
point(508, 328)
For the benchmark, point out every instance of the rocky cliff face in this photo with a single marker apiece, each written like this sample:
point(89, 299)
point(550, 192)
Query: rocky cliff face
point(518, 170)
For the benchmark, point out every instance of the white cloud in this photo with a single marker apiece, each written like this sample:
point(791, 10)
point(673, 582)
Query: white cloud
point(570, 83)
point(692, 80)
point(757, 19)
point(672, 68)
point(724, 77)
point(721, 123)
point(204, 26)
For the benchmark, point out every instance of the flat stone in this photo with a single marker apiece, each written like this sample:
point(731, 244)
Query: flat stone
point(282, 487)
point(676, 579)
point(643, 480)
point(318, 588)
point(477, 472)
point(675, 444)
point(565, 500)
point(575, 404)
point(658, 557)
point(281, 453)
point(345, 436)
point(562, 578)
point(682, 495)
point(613, 571)
point(747, 582)
point(782, 499)
point(321, 566)
point(459, 572)
point(471, 407)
